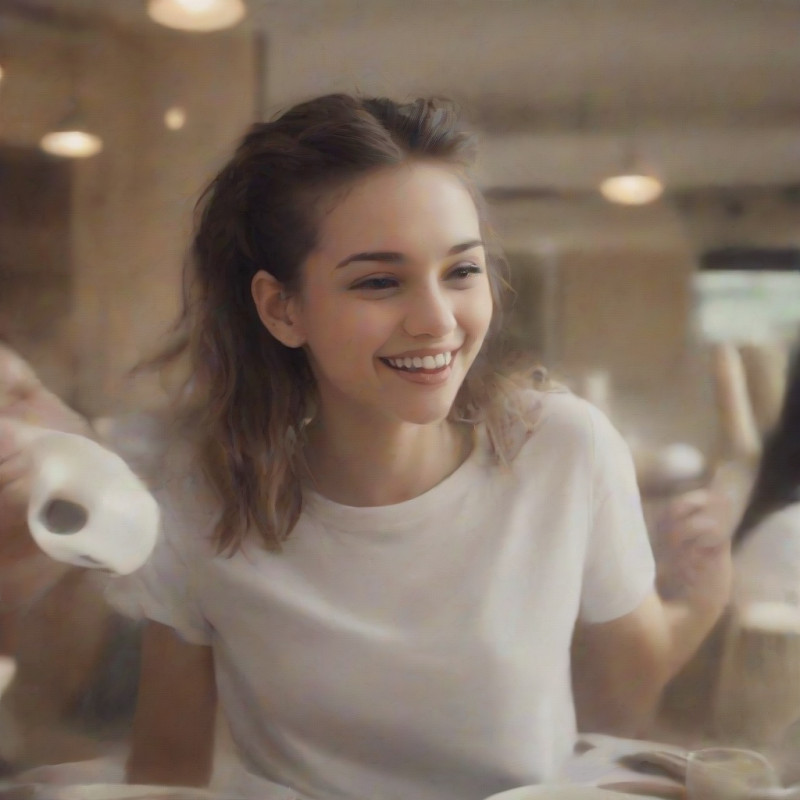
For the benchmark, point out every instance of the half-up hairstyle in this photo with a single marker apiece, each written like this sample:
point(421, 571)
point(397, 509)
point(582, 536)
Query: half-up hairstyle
point(248, 396)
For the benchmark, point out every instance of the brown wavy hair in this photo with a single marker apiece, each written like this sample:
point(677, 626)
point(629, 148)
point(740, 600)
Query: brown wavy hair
point(247, 396)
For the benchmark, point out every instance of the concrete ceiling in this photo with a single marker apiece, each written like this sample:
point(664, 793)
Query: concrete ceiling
point(708, 91)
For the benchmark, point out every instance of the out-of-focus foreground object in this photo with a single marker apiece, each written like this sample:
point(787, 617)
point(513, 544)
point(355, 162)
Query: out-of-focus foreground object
point(86, 507)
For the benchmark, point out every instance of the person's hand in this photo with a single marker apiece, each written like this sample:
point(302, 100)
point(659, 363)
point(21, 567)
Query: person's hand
point(15, 478)
point(24, 399)
point(693, 546)
point(39, 406)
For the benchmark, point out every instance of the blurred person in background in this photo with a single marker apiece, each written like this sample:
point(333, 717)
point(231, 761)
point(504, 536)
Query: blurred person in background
point(743, 685)
point(759, 693)
point(767, 540)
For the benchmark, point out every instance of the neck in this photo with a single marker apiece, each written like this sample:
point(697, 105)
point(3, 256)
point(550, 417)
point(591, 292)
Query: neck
point(375, 465)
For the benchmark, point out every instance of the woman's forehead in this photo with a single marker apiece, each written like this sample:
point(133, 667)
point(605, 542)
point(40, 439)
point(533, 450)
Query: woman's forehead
point(399, 205)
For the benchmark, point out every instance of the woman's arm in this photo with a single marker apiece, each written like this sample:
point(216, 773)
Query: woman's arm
point(621, 667)
point(173, 730)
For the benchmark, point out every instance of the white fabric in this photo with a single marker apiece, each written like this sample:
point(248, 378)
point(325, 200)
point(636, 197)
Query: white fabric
point(419, 650)
point(767, 563)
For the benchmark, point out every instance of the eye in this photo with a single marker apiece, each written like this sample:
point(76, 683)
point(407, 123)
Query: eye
point(464, 271)
point(377, 283)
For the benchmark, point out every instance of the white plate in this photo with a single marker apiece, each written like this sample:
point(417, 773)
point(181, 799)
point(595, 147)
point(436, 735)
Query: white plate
point(544, 792)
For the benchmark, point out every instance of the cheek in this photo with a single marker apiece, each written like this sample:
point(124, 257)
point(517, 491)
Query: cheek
point(478, 315)
point(346, 327)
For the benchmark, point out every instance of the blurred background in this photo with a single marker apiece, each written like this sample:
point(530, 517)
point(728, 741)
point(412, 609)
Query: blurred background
point(621, 294)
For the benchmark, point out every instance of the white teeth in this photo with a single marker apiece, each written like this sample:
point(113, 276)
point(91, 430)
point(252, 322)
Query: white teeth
point(438, 361)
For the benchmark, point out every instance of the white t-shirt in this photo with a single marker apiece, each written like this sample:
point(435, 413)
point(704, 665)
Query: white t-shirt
point(419, 650)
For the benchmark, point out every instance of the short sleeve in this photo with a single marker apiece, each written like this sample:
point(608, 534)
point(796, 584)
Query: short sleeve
point(167, 589)
point(619, 571)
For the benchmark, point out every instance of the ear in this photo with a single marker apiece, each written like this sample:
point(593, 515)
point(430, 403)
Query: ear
point(277, 309)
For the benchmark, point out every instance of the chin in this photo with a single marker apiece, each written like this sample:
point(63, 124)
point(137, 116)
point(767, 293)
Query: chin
point(429, 415)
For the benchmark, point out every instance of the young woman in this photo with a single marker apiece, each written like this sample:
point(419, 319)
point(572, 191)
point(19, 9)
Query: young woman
point(379, 548)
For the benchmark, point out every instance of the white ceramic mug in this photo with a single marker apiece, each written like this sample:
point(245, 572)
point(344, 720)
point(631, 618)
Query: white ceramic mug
point(86, 506)
point(727, 773)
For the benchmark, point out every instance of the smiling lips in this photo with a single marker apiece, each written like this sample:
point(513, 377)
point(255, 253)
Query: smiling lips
point(421, 364)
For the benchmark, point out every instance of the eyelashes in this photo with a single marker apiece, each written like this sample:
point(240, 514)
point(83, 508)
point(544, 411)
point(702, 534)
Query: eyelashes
point(460, 273)
point(376, 284)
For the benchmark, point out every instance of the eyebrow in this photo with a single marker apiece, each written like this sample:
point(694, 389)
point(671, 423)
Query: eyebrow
point(390, 257)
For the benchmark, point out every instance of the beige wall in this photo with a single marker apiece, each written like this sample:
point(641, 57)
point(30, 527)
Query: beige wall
point(628, 311)
point(131, 204)
point(619, 299)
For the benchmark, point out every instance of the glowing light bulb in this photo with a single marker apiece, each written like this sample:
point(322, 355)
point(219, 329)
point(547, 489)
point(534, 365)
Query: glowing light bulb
point(631, 190)
point(175, 118)
point(71, 144)
point(196, 15)
point(197, 6)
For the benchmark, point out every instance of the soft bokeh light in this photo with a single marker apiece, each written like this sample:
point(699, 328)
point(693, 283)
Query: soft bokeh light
point(71, 144)
point(175, 118)
point(197, 6)
point(631, 190)
point(196, 15)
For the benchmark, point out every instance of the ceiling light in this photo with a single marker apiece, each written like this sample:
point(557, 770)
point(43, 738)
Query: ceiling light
point(175, 118)
point(71, 144)
point(196, 15)
point(71, 138)
point(632, 189)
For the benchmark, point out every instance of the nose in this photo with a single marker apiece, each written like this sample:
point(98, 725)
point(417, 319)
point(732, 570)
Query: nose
point(430, 313)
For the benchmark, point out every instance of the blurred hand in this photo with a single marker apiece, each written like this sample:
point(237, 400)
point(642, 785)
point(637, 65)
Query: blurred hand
point(24, 399)
point(693, 546)
point(15, 477)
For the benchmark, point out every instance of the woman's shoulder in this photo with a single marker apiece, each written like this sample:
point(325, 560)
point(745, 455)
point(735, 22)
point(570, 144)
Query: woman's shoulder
point(554, 413)
point(561, 411)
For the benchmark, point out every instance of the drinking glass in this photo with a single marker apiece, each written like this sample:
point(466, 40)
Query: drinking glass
point(727, 773)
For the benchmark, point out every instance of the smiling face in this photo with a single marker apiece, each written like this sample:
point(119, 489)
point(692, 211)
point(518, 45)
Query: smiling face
point(395, 300)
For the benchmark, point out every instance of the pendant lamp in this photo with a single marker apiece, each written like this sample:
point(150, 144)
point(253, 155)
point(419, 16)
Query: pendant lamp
point(71, 137)
point(631, 188)
point(196, 15)
point(633, 185)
